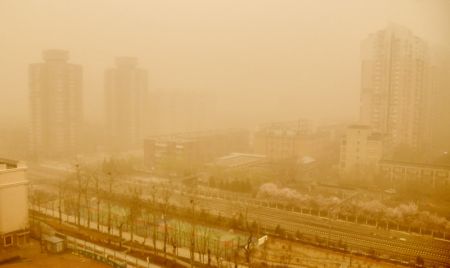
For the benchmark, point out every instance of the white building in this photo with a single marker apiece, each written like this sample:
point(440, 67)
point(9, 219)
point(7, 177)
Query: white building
point(395, 87)
point(361, 150)
point(13, 203)
point(55, 105)
point(126, 94)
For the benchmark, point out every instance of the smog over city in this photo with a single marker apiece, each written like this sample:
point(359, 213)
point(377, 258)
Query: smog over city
point(213, 133)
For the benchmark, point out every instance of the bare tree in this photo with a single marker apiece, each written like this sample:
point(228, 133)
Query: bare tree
point(134, 208)
point(203, 243)
point(85, 191)
point(110, 182)
point(62, 187)
point(192, 240)
point(249, 249)
point(96, 181)
point(79, 192)
point(120, 222)
point(165, 206)
point(154, 225)
point(173, 240)
point(218, 251)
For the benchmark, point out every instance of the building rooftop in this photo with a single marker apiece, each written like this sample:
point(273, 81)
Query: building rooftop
point(9, 164)
point(192, 136)
point(239, 159)
point(357, 126)
point(413, 164)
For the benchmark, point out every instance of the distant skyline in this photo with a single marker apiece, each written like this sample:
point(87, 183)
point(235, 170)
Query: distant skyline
point(263, 59)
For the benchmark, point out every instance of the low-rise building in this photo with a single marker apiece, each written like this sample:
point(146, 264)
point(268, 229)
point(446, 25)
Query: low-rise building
point(361, 150)
point(14, 225)
point(186, 151)
point(239, 160)
point(411, 172)
point(283, 140)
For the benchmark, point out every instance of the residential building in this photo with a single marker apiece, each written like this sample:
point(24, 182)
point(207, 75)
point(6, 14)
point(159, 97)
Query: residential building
point(395, 87)
point(187, 151)
point(361, 150)
point(283, 140)
point(55, 105)
point(397, 172)
point(126, 95)
point(439, 101)
point(14, 225)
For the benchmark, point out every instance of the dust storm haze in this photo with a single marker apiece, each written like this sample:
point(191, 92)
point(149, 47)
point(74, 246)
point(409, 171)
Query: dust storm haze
point(225, 133)
point(259, 60)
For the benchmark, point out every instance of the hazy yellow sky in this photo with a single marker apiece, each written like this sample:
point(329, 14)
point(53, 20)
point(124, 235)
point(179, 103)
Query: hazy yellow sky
point(297, 58)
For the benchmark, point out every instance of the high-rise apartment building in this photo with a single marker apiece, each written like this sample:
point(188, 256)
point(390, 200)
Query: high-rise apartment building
point(126, 93)
point(395, 88)
point(440, 102)
point(56, 105)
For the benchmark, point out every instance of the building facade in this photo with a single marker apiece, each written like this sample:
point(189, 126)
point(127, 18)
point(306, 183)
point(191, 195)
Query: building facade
point(440, 99)
point(284, 140)
point(184, 152)
point(126, 95)
point(14, 225)
point(361, 150)
point(419, 173)
point(55, 105)
point(395, 87)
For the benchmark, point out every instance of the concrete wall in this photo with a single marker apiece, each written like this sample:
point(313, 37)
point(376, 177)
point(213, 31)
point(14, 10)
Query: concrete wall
point(13, 200)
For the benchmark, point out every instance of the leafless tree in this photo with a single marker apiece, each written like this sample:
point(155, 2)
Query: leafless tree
point(218, 251)
point(96, 180)
point(79, 190)
point(134, 208)
point(62, 188)
point(85, 190)
point(165, 206)
point(120, 223)
point(109, 198)
point(249, 249)
point(192, 240)
point(203, 243)
point(154, 225)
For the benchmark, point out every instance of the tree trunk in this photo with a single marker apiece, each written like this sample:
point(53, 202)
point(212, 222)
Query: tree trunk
point(109, 217)
point(59, 211)
point(98, 213)
point(165, 237)
point(79, 208)
point(154, 234)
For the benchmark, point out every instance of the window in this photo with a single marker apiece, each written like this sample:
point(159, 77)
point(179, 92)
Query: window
point(8, 240)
